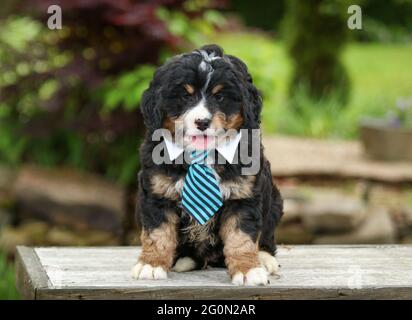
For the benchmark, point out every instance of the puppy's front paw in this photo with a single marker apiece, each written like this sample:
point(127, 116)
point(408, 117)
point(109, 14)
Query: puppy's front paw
point(268, 262)
point(143, 271)
point(254, 277)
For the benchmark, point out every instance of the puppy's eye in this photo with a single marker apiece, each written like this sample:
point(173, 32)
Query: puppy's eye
point(187, 92)
point(185, 96)
point(219, 97)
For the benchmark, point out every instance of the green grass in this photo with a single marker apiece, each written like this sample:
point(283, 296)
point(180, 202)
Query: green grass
point(379, 73)
point(7, 287)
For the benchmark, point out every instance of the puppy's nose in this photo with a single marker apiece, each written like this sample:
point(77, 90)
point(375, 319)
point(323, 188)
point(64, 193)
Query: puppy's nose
point(202, 124)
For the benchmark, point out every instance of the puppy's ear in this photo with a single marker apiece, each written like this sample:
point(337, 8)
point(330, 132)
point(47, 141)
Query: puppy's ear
point(252, 105)
point(151, 114)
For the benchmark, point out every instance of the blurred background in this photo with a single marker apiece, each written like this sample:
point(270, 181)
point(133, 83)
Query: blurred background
point(337, 116)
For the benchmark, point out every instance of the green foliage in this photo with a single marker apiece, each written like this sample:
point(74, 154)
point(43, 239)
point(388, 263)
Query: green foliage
point(194, 30)
point(32, 127)
point(375, 85)
point(260, 13)
point(383, 20)
point(322, 118)
point(7, 283)
point(68, 100)
point(126, 89)
point(18, 31)
point(315, 33)
point(386, 21)
point(16, 36)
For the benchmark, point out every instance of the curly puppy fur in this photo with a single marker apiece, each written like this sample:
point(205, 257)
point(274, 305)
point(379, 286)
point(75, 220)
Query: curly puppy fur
point(245, 225)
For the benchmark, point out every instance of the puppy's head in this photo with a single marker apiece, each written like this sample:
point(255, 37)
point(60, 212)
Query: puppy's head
point(202, 94)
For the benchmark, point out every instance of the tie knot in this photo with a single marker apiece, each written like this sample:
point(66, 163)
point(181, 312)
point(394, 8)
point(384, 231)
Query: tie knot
point(198, 157)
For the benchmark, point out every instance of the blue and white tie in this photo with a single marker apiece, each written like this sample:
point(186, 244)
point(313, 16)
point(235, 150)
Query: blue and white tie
point(201, 196)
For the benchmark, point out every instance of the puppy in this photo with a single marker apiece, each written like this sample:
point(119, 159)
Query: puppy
point(201, 96)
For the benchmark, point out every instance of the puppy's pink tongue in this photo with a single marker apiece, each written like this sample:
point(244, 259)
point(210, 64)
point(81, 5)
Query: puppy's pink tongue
point(200, 142)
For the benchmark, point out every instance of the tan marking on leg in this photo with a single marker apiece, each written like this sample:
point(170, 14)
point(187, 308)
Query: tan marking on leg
point(166, 187)
point(159, 245)
point(241, 188)
point(241, 253)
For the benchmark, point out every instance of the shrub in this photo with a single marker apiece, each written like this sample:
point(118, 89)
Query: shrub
point(386, 21)
point(71, 96)
point(315, 33)
point(262, 14)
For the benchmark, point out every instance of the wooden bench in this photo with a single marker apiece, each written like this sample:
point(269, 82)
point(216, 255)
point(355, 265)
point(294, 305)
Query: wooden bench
point(307, 272)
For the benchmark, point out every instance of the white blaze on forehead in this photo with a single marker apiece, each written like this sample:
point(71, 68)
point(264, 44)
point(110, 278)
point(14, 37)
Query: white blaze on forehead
point(205, 65)
point(197, 112)
point(200, 111)
point(208, 77)
point(208, 57)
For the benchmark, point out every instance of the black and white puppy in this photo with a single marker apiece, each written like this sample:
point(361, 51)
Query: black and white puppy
point(204, 94)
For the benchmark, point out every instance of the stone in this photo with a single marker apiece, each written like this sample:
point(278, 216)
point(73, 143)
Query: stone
point(337, 159)
point(377, 228)
point(35, 233)
point(407, 214)
point(31, 233)
point(293, 233)
point(395, 197)
point(58, 236)
point(292, 210)
point(333, 213)
point(407, 240)
point(67, 197)
point(7, 178)
point(402, 216)
point(5, 218)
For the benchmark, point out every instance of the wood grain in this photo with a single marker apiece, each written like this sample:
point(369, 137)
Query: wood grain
point(30, 274)
point(307, 272)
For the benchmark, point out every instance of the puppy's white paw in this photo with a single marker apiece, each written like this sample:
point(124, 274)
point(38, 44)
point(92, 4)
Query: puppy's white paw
point(238, 279)
point(184, 264)
point(268, 262)
point(254, 277)
point(147, 272)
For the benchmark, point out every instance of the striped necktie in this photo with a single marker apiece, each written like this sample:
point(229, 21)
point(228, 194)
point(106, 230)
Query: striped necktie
point(201, 196)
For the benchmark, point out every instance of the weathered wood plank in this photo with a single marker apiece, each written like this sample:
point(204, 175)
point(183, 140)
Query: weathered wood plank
point(30, 274)
point(327, 272)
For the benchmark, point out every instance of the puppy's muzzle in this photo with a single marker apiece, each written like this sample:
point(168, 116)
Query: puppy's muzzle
point(202, 124)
